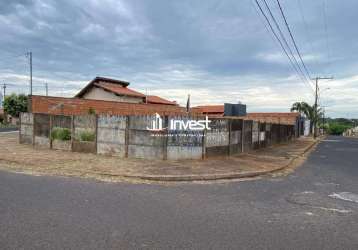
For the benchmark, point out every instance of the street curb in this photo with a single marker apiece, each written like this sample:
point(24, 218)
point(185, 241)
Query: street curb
point(212, 177)
point(205, 177)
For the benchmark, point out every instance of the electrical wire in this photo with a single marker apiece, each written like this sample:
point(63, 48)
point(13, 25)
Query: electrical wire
point(307, 30)
point(281, 44)
point(283, 37)
point(293, 39)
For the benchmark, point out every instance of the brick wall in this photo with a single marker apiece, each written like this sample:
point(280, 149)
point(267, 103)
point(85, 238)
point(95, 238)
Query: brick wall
point(77, 106)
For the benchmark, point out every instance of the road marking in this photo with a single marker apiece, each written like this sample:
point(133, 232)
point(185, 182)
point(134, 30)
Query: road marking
point(331, 140)
point(326, 184)
point(346, 196)
point(342, 211)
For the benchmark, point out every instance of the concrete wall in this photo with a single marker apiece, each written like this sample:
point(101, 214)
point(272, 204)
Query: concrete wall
point(255, 135)
point(41, 130)
point(143, 143)
point(111, 132)
point(247, 139)
point(60, 122)
point(184, 144)
point(26, 128)
point(128, 136)
point(85, 124)
point(235, 136)
point(217, 138)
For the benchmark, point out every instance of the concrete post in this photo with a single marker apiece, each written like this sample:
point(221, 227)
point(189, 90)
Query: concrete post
point(229, 126)
point(50, 132)
point(258, 131)
point(126, 137)
point(204, 144)
point(96, 131)
point(165, 140)
point(72, 130)
point(33, 129)
point(20, 128)
point(242, 135)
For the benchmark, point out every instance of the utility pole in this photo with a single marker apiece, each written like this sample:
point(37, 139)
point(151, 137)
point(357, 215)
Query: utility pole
point(29, 54)
point(316, 102)
point(4, 89)
point(46, 88)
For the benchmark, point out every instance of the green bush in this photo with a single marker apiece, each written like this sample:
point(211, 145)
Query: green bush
point(63, 134)
point(337, 129)
point(87, 136)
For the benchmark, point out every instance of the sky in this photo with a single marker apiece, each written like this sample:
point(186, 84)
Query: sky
point(216, 51)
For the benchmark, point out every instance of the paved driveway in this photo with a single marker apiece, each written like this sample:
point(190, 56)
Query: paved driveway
point(313, 208)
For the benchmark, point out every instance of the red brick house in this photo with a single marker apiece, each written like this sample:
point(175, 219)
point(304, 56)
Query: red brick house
point(107, 89)
point(105, 95)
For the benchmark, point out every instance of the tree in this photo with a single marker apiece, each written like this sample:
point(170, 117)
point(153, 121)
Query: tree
point(309, 111)
point(14, 104)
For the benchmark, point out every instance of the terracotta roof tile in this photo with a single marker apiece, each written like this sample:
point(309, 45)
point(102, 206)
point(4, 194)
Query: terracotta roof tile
point(210, 108)
point(118, 89)
point(159, 100)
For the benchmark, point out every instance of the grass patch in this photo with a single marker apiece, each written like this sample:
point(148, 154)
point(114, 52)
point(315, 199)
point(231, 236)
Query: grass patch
point(62, 134)
point(86, 136)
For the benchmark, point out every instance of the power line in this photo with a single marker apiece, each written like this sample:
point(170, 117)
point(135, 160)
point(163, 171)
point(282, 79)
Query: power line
point(326, 30)
point(292, 38)
point(307, 30)
point(281, 44)
point(272, 36)
point(283, 36)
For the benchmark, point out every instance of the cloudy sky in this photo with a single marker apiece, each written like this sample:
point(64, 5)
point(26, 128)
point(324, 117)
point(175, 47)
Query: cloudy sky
point(217, 51)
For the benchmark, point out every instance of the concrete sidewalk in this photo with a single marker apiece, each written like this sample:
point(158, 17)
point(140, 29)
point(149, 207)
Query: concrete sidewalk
point(25, 159)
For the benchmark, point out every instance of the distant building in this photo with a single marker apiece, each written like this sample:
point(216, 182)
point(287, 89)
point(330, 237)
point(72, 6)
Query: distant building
point(288, 118)
point(210, 109)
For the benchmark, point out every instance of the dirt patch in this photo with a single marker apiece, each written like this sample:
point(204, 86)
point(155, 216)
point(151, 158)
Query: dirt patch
point(24, 158)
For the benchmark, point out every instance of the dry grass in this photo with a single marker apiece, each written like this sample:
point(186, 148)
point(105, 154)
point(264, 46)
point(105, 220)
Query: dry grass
point(24, 158)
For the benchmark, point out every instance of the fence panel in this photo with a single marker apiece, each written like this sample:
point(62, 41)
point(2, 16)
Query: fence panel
point(26, 128)
point(268, 134)
point(61, 132)
point(275, 133)
point(217, 138)
point(84, 134)
point(262, 135)
point(255, 135)
point(235, 136)
point(143, 143)
point(111, 133)
point(247, 135)
point(42, 130)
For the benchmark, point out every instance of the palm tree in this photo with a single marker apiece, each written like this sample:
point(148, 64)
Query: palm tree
point(309, 111)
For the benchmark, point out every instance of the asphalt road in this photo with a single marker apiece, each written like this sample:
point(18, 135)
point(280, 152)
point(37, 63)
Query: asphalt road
point(5, 130)
point(301, 211)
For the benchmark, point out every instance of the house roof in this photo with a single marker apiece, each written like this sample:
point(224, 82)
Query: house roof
point(210, 108)
point(159, 100)
point(271, 117)
point(274, 114)
point(118, 89)
point(100, 79)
